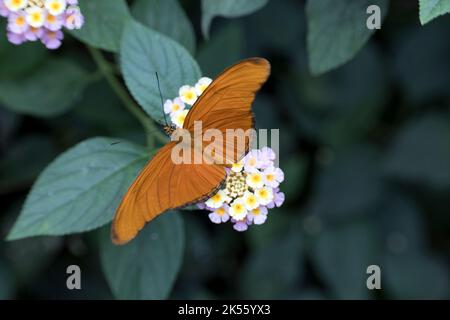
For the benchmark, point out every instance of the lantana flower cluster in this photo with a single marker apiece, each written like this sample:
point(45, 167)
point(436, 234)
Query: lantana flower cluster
point(252, 185)
point(32, 20)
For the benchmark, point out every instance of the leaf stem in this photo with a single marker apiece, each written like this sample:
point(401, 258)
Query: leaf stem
point(151, 130)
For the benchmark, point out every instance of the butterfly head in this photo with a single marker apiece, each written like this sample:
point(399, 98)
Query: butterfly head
point(169, 129)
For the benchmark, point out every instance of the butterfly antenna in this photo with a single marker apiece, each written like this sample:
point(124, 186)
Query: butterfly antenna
point(161, 96)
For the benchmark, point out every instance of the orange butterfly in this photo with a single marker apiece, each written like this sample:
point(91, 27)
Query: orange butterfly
point(163, 185)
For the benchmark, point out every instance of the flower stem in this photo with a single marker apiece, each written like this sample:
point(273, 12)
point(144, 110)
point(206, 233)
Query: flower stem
point(151, 130)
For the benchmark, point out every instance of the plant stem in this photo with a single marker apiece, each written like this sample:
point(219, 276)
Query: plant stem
point(109, 74)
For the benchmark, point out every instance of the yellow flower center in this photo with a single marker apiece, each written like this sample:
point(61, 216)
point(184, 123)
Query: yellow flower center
point(256, 211)
point(238, 207)
point(51, 19)
point(175, 107)
point(255, 178)
point(262, 193)
point(70, 19)
point(220, 211)
point(36, 16)
point(181, 118)
point(270, 177)
point(189, 95)
point(55, 6)
point(20, 21)
point(251, 200)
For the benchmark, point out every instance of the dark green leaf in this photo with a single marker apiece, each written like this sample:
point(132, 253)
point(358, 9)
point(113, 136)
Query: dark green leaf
point(342, 255)
point(80, 190)
point(282, 259)
point(49, 91)
point(145, 268)
point(337, 31)
point(212, 57)
point(29, 54)
point(16, 169)
point(350, 186)
point(167, 17)
point(421, 152)
point(104, 23)
point(228, 9)
point(423, 74)
point(416, 276)
point(6, 281)
point(430, 9)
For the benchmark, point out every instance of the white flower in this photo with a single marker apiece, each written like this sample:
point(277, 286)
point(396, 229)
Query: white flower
point(255, 180)
point(36, 17)
point(201, 85)
point(237, 209)
point(258, 215)
point(250, 201)
point(55, 7)
point(178, 117)
point(16, 5)
point(188, 95)
point(273, 177)
point(217, 200)
point(264, 195)
point(251, 161)
point(220, 215)
point(173, 106)
point(237, 167)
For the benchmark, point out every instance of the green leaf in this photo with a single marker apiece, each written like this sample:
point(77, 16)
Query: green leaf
point(295, 169)
point(228, 9)
point(104, 23)
point(101, 109)
point(421, 152)
point(273, 34)
point(430, 9)
point(282, 259)
point(337, 31)
point(348, 187)
point(80, 190)
point(422, 74)
point(9, 123)
point(49, 91)
point(30, 55)
point(145, 268)
point(16, 169)
point(416, 276)
point(28, 258)
point(6, 282)
point(402, 224)
point(213, 59)
point(145, 52)
point(342, 255)
point(167, 17)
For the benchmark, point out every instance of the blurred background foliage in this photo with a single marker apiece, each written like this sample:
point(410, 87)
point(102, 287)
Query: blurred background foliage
point(365, 148)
